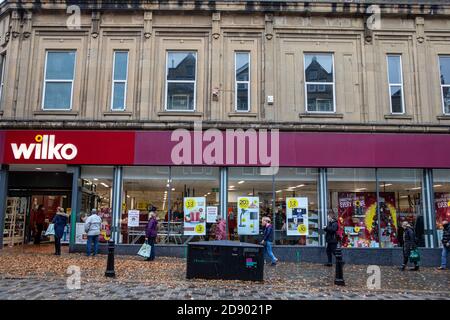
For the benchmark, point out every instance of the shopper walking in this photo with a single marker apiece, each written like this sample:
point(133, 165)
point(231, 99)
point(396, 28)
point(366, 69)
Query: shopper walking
point(151, 233)
point(38, 220)
point(445, 244)
point(409, 244)
point(221, 232)
point(92, 228)
point(331, 238)
point(59, 222)
point(268, 240)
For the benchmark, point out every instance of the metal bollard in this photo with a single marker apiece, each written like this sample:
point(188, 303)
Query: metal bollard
point(110, 273)
point(339, 277)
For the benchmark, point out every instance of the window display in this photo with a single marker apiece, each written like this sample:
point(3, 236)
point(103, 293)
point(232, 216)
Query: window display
point(14, 230)
point(299, 184)
point(352, 198)
point(96, 193)
point(441, 187)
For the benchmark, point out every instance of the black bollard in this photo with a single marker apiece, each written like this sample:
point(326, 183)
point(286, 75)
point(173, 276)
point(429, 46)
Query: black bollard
point(339, 277)
point(110, 273)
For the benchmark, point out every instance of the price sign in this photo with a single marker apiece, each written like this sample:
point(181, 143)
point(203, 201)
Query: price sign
point(190, 203)
point(244, 203)
point(292, 203)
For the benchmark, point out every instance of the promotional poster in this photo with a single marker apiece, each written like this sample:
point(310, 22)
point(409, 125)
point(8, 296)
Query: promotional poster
point(194, 216)
point(80, 234)
point(297, 216)
point(442, 206)
point(211, 214)
point(248, 215)
point(133, 218)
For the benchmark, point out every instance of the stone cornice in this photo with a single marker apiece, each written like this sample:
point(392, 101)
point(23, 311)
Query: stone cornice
point(396, 7)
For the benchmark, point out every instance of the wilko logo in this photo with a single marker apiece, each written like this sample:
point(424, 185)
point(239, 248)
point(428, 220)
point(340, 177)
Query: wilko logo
point(44, 149)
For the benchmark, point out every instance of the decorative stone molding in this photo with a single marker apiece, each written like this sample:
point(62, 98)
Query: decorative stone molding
point(27, 24)
point(216, 25)
point(420, 29)
point(95, 24)
point(148, 24)
point(269, 26)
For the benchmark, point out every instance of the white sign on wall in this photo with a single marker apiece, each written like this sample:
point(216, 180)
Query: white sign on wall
point(211, 214)
point(133, 218)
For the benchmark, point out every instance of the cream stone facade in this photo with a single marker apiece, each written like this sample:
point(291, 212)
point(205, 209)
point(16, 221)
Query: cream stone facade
point(276, 35)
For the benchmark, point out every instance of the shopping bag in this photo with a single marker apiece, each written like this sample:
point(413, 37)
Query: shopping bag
point(145, 250)
point(414, 256)
point(50, 230)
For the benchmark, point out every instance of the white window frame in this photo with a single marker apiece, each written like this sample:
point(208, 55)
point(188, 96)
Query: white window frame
point(396, 84)
point(236, 82)
point(180, 81)
point(119, 81)
point(319, 83)
point(443, 85)
point(2, 78)
point(58, 80)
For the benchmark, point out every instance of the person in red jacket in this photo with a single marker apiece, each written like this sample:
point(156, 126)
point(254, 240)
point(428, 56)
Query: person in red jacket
point(37, 223)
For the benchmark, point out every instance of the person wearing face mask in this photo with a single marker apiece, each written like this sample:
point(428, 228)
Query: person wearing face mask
point(331, 238)
point(445, 244)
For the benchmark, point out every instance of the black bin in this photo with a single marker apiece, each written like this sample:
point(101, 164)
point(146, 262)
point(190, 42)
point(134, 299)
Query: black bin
point(227, 260)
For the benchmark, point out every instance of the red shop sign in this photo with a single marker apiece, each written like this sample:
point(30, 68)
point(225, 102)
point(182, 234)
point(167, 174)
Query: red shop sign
point(69, 147)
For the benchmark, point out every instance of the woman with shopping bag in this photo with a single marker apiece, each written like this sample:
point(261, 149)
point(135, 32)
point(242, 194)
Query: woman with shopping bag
point(150, 234)
point(59, 223)
point(410, 252)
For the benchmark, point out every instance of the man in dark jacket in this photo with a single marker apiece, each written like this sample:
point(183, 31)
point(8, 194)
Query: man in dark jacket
point(268, 240)
point(331, 238)
point(151, 233)
point(409, 244)
point(445, 244)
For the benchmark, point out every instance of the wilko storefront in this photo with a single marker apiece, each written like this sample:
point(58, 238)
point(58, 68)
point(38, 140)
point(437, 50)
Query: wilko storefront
point(372, 182)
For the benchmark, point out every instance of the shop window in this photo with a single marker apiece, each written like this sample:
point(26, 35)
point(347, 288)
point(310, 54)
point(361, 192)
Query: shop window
point(194, 204)
point(145, 189)
point(58, 80)
point(395, 78)
point(319, 82)
point(441, 188)
point(181, 81)
point(250, 197)
point(444, 64)
point(119, 81)
point(296, 207)
point(353, 200)
point(2, 75)
point(96, 193)
point(400, 200)
point(242, 81)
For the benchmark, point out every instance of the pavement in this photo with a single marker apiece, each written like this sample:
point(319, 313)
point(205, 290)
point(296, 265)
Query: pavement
point(34, 273)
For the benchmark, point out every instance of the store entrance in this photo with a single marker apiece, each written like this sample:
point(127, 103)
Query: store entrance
point(33, 198)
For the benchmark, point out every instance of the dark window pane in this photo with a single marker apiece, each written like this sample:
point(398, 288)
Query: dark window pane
point(120, 65)
point(320, 100)
point(319, 67)
point(242, 63)
point(180, 96)
point(242, 97)
point(119, 96)
point(181, 66)
point(444, 63)
point(446, 94)
point(394, 66)
point(60, 65)
point(57, 95)
point(396, 99)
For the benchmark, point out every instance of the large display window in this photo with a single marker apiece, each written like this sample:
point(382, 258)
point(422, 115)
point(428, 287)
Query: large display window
point(250, 197)
point(194, 192)
point(96, 193)
point(145, 189)
point(296, 206)
point(352, 198)
point(400, 200)
point(441, 188)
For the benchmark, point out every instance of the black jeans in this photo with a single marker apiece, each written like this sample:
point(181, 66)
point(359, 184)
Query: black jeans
point(151, 242)
point(57, 245)
point(38, 233)
point(331, 249)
